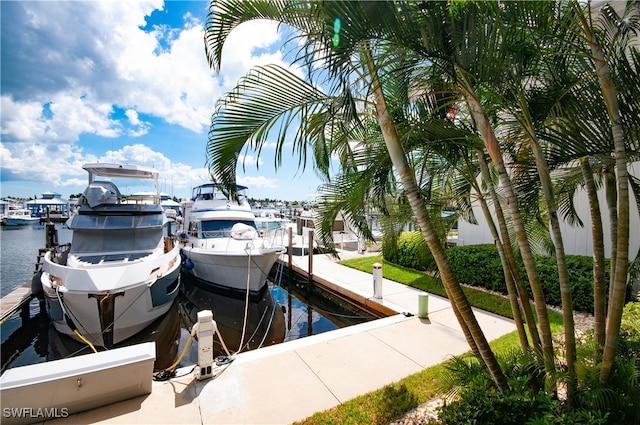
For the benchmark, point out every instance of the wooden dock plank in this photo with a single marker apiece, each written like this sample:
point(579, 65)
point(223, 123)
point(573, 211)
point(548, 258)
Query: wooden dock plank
point(11, 303)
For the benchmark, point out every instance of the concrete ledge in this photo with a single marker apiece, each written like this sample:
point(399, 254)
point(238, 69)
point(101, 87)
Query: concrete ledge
point(370, 303)
point(59, 388)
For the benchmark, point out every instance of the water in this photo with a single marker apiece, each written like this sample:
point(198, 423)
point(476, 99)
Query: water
point(290, 309)
point(18, 252)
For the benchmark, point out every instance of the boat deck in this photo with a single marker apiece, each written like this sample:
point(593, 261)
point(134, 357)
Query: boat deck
point(288, 382)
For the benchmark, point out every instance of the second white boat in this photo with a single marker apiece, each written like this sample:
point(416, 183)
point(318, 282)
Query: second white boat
point(221, 244)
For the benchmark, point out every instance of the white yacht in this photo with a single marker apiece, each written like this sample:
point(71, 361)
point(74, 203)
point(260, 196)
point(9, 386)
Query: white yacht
point(19, 217)
point(221, 244)
point(121, 270)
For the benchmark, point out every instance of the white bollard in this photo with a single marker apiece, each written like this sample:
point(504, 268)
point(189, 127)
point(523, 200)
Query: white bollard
point(206, 327)
point(377, 280)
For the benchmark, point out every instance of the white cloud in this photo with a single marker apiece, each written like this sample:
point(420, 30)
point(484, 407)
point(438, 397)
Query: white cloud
point(139, 128)
point(94, 59)
point(132, 115)
point(259, 182)
point(249, 160)
point(163, 73)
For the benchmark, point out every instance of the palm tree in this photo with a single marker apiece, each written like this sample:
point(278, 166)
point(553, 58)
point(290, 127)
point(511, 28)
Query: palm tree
point(378, 61)
point(366, 20)
point(598, 39)
point(473, 52)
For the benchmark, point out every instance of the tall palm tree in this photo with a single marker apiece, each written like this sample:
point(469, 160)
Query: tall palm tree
point(503, 243)
point(470, 43)
point(528, 93)
point(610, 32)
point(367, 21)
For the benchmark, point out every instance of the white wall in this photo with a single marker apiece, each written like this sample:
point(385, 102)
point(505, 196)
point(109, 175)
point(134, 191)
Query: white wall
point(577, 240)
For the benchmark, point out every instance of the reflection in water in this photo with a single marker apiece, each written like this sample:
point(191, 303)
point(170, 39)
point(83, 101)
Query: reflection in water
point(35, 340)
point(165, 332)
point(242, 325)
point(312, 310)
point(279, 313)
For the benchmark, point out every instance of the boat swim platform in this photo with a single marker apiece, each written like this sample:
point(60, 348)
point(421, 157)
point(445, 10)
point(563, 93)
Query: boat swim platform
point(291, 381)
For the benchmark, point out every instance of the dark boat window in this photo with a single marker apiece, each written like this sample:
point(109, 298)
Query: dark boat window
point(221, 228)
point(96, 259)
point(114, 222)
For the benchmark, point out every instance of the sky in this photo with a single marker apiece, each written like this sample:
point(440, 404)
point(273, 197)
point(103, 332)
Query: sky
point(127, 82)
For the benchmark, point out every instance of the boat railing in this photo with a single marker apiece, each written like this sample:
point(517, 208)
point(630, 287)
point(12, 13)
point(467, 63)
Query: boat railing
point(210, 192)
point(60, 253)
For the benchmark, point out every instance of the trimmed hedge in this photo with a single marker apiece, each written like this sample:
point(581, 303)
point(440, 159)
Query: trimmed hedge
point(480, 266)
point(408, 250)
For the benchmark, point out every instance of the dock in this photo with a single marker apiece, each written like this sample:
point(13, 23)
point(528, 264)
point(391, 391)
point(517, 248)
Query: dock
point(18, 299)
point(291, 381)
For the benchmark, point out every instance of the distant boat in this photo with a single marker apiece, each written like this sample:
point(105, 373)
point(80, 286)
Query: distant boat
point(19, 217)
point(120, 272)
point(269, 220)
point(221, 244)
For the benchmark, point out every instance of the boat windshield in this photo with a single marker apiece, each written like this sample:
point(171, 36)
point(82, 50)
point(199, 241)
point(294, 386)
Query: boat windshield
point(114, 222)
point(221, 228)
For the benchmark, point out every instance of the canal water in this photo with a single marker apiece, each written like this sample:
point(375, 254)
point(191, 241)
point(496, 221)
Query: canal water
point(290, 309)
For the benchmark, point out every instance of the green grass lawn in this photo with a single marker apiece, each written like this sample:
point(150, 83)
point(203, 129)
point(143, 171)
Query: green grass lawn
point(394, 400)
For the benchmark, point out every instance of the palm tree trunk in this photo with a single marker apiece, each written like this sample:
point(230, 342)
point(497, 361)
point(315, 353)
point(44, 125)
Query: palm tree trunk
point(495, 153)
point(618, 290)
point(504, 232)
point(508, 275)
point(599, 294)
point(610, 189)
point(455, 292)
point(563, 271)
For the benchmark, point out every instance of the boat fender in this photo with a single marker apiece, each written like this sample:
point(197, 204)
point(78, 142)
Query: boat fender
point(183, 257)
point(188, 264)
point(36, 285)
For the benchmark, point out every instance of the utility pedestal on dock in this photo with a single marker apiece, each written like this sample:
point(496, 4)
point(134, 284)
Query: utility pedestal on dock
point(377, 281)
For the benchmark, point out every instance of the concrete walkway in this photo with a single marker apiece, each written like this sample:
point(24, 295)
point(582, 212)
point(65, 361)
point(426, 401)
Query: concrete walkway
point(291, 381)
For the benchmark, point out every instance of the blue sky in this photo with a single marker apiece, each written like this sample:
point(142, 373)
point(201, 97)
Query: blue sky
point(123, 81)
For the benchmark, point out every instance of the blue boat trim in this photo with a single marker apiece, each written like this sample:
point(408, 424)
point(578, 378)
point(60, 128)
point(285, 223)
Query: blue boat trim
point(165, 289)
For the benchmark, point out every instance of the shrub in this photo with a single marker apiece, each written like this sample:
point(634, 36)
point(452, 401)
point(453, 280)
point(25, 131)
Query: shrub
point(390, 248)
point(408, 250)
point(580, 277)
point(630, 325)
point(478, 265)
point(477, 400)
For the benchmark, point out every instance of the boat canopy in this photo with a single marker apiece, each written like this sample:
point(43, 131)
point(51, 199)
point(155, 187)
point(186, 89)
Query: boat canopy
point(212, 191)
point(120, 170)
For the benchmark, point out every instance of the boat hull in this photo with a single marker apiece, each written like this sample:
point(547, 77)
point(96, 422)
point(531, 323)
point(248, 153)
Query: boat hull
point(237, 270)
point(20, 221)
point(111, 303)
